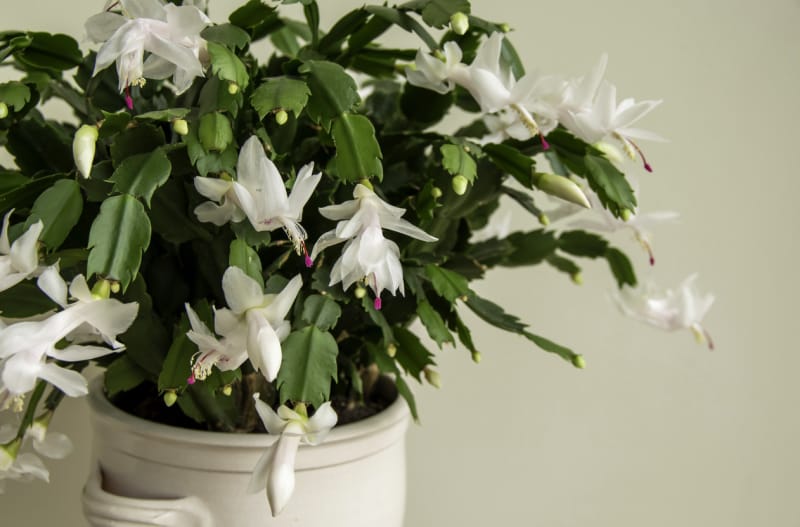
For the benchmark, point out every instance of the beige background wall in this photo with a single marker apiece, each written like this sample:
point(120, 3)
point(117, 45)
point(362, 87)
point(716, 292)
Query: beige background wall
point(657, 431)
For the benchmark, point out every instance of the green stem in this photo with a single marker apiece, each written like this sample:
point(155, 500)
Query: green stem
point(30, 410)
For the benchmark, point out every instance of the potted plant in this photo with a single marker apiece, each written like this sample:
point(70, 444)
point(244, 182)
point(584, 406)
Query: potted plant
point(242, 241)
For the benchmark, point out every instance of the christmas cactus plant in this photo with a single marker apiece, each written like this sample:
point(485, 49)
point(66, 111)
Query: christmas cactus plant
point(216, 225)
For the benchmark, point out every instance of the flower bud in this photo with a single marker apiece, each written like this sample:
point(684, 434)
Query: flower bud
point(436, 192)
point(544, 220)
point(391, 350)
point(360, 292)
point(3, 110)
point(101, 289)
point(233, 88)
point(626, 214)
point(227, 390)
point(170, 397)
point(432, 376)
point(115, 287)
point(281, 117)
point(577, 278)
point(505, 28)
point(180, 126)
point(476, 357)
point(579, 362)
point(459, 23)
point(459, 184)
point(561, 187)
point(83, 148)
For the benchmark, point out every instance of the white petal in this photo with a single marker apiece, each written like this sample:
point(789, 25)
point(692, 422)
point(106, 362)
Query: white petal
point(280, 481)
point(263, 346)
point(261, 178)
point(51, 284)
point(212, 188)
point(328, 239)
point(77, 353)
point(197, 325)
point(20, 372)
point(79, 289)
point(72, 383)
point(30, 466)
point(241, 291)
point(304, 186)
point(283, 301)
point(323, 420)
point(226, 322)
point(24, 254)
point(219, 215)
point(186, 20)
point(342, 211)
point(5, 248)
point(144, 9)
point(101, 26)
point(111, 317)
point(54, 446)
point(183, 57)
point(258, 480)
point(405, 227)
point(272, 422)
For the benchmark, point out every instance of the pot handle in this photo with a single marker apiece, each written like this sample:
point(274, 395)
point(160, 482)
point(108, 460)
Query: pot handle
point(103, 509)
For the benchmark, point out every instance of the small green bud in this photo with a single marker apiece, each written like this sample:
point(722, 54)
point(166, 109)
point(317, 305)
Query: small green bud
point(180, 126)
point(391, 350)
point(561, 187)
point(459, 23)
point(233, 88)
point(577, 278)
point(436, 192)
point(101, 289)
point(115, 287)
point(505, 28)
point(433, 377)
point(579, 362)
point(227, 390)
point(170, 397)
point(281, 117)
point(360, 292)
point(367, 183)
point(3, 110)
point(460, 184)
point(476, 357)
point(626, 214)
point(544, 220)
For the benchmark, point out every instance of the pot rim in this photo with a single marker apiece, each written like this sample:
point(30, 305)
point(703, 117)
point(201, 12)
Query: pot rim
point(104, 410)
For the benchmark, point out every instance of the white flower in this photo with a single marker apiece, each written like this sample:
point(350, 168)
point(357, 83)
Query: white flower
point(227, 353)
point(25, 346)
point(261, 194)
point(669, 310)
point(275, 468)
point(116, 318)
point(493, 86)
point(170, 34)
point(27, 466)
point(20, 259)
point(603, 220)
point(591, 112)
point(367, 255)
point(264, 315)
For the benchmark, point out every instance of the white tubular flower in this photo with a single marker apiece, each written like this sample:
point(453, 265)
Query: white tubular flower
point(27, 466)
point(264, 315)
point(261, 194)
point(20, 259)
point(433, 74)
point(25, 346)
point(223, 207)
point(275, 468)
point(367, 255)
point(591, 112)
point(226, 354)
point(83, 148)
point(669, 310)
point(170, 34)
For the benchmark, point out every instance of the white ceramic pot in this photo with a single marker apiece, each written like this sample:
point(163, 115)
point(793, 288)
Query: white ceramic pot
point(146, 473)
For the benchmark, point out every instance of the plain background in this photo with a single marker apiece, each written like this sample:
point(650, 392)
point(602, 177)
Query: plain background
point(657, 430)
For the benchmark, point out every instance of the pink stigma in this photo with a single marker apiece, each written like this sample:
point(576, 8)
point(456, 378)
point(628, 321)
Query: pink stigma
point(652, 260)
point(648, 167)
point(378, 303)
point(128, 98)
point(191, 379)
point(309, 261)
point(545, 144)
